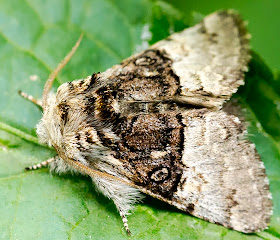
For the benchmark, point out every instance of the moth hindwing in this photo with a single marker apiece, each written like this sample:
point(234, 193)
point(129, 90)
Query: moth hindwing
point(159, 123)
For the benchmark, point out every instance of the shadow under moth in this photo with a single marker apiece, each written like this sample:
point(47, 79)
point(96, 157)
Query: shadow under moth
point(160, 123)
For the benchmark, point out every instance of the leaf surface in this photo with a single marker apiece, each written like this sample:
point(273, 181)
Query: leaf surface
point(34, 36)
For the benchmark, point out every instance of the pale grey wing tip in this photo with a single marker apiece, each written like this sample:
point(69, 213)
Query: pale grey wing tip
point(239, 22)
point(261, 220)
point(210, 58)
point(244, 35)
point(245, 47)
point(253, 224)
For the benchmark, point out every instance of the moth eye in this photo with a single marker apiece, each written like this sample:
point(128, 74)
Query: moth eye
point(160, 175)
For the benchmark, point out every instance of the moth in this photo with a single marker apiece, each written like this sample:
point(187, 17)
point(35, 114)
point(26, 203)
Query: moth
point(160, 123)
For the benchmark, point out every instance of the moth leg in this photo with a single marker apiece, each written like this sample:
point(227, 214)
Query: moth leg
point(124, 196)
point(30, 98)
point(40, 165)
point(125, 224)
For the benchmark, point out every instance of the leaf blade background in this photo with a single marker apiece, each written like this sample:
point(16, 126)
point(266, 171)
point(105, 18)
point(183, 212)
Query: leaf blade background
point(34, 37)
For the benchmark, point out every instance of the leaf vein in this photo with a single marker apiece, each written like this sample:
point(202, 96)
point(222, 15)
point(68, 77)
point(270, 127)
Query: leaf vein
point(19, 133)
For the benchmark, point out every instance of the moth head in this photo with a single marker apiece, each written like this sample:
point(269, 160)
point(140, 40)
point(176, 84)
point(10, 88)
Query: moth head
point(63, 114)
point(68, 124)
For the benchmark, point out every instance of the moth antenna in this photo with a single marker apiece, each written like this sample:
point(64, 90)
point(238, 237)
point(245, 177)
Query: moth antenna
point(30, 98)
point(53, 75)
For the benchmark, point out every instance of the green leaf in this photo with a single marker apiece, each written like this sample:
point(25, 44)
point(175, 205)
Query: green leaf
point(34, 37)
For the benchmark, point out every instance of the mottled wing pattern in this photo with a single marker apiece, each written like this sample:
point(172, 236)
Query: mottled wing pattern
point(202, 65)
point(201, 162)
point(224, 180)
point(153, 121)
point(198, 160)
point(209, 58)
point(151, 150)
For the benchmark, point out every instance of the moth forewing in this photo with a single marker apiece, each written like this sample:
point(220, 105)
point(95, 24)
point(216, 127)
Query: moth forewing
point(156, 124)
